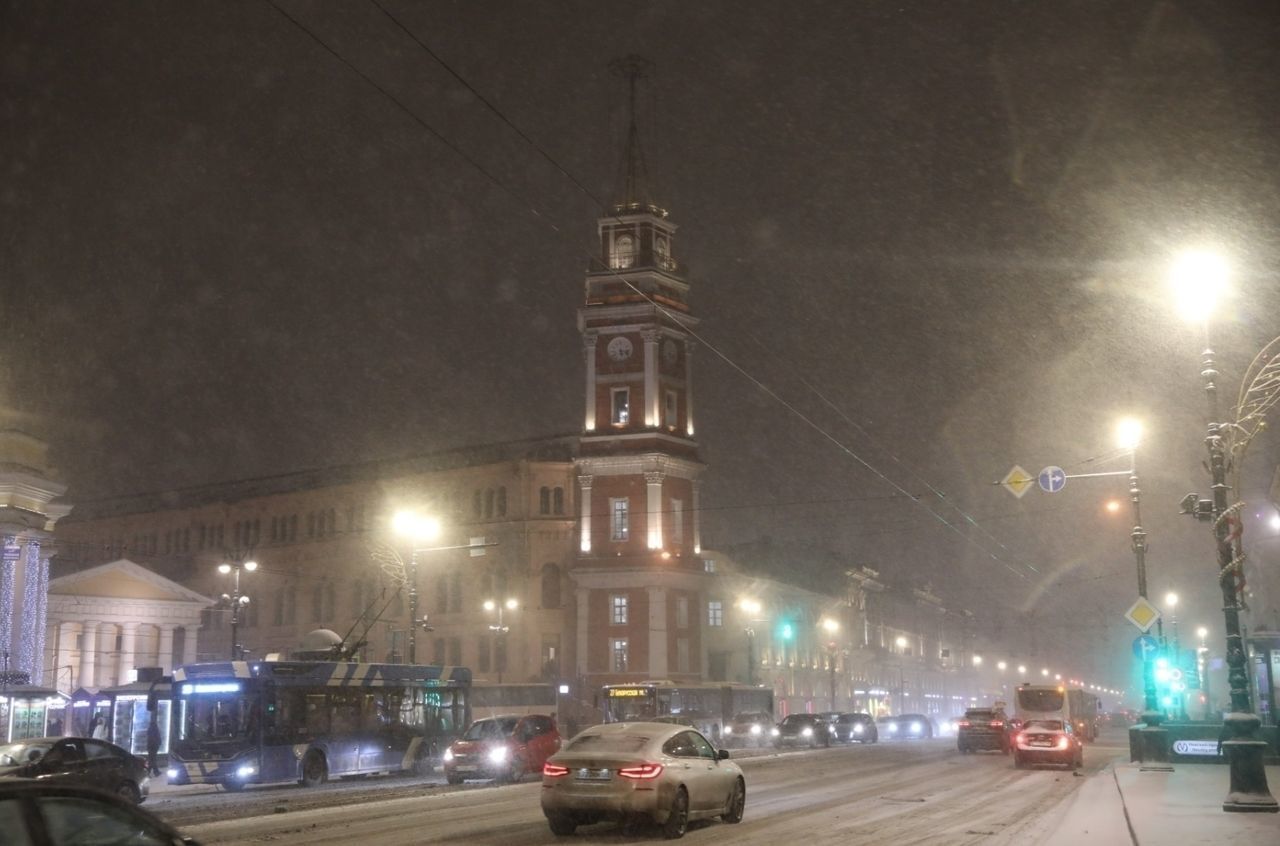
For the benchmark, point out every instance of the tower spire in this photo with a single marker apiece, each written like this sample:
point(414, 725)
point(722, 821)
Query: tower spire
point(634, 188)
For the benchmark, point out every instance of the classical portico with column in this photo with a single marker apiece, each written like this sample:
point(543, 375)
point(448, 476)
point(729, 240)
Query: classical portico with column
point(105, 622)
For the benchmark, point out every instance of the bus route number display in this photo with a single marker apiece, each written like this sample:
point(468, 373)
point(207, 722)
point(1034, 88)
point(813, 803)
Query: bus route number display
point(627, 691)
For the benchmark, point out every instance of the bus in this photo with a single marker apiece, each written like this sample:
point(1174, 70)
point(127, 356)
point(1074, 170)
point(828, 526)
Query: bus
point(494, 700)
point(1055, 702)
point(707, 706)
point(238, 722)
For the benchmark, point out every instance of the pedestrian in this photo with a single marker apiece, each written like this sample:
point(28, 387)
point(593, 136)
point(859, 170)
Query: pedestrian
point(99, 731)
point(153, 745)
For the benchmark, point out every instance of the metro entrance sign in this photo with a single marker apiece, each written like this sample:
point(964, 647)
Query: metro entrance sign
point(1142, 614)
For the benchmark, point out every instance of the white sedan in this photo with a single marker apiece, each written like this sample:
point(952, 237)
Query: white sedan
point(666, 773)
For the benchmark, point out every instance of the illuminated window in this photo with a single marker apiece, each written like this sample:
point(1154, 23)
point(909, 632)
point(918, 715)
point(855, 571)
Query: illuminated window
point(618, 610)
point(715, 613)
point(618, 653)
point(619, 518)
point(624, 251)
point(708, 565)
point(621, 408)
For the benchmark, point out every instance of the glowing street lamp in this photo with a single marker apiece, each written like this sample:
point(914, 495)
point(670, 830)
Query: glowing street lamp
point(1198, 280)
point(500, 630)
point(418, 529)
point(236, 600)
point(1002, 666)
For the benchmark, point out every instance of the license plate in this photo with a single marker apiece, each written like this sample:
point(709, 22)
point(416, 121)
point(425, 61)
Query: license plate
point(1042, 743)
point(587, 774)
point(465, 768)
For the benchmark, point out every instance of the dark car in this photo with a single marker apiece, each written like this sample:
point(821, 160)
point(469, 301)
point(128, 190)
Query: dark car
point(983, 729)
point(41, 814)
point(77, 761)
point(906, 727)
point(855, 728)
point(502, 748)
point(751, 728)
point(1047, 742)
point(802, 730)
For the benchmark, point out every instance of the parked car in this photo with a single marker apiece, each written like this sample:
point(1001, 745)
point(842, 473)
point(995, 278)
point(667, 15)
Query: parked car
point(37, 813)
point(802, 730)
point(1047, 742)
point(855, 728)
point(77, 761)
point(907, 727)
point(983, 729)
point(751, 728)
point(666, 773)
point(502, 748)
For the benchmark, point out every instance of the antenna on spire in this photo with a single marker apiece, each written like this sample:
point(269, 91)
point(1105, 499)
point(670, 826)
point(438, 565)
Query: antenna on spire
point(634, 193)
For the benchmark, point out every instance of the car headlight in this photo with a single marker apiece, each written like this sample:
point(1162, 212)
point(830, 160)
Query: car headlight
point(806, 732)
point(755, 729)
point(246, 771)
point(728, 729)
point(498, 754)
point(857, 728)
point(775, 732)
point(893, 728)
point(915, 728)
point(448, 754)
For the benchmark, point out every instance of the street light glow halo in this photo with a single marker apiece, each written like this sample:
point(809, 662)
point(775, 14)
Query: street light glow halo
point(1171, 599)
point(1198, 279)
point(512, 604)
point(1128, 433)
point(488, 605)
point(251, 565)
point(224, 568)
point(414, 526)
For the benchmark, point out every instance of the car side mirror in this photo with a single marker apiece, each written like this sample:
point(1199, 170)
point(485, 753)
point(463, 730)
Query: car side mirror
point(722, 755)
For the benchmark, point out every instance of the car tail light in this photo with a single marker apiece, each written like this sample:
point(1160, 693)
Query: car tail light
point(1020, 738)
point(997, 724)
point(644, 771)
point(554, 770)
point(1063, 742)
point(964, 724)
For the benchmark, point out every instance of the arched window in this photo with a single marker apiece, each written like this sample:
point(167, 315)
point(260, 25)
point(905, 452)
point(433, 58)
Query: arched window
point(559, 500)
point(544, 500)
point(624, 251)
point(502, 502)
point(551, 585)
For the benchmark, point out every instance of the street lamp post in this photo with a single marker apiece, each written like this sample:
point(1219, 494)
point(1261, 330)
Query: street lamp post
point(1153, 745)
point(417, 529)
point(500, 630)
point(1202, 668)
point(752, 607)
point(236, 600)
point(831, 627)
point(1198, 279)
point(901, 643)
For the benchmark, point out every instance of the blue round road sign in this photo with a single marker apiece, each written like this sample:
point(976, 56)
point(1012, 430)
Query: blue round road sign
point(1052, 479)
point(1144, 646)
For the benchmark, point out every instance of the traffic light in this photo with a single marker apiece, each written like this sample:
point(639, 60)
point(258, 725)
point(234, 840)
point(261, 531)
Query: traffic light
point(786, 631)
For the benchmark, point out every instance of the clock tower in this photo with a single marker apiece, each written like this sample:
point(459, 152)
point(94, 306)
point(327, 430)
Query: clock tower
point(639, 576)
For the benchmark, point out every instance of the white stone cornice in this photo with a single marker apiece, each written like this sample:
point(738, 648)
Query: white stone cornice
point(653, 462)
point(651, 434)
point(608, 578)
point(116, 610)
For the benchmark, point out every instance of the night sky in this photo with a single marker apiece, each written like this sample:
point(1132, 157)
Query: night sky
point(937, 232)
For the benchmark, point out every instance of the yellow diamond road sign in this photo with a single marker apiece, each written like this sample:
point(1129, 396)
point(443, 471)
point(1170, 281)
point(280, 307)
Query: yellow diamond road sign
point(1018, 481)
point(1142, 614)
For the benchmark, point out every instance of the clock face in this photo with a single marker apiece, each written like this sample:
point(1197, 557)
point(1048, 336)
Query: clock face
point(619, 349)
point(669, 351)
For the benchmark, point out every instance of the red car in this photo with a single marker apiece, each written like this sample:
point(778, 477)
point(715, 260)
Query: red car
point(502, 748)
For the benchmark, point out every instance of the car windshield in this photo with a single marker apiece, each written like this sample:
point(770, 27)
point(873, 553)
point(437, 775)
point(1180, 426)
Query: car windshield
point(15, 754)
point(607, 743)
point(1044, 725)
point(799, 720)
point(490, 729)
point(1040, 699)
point(751, 718)
point(853, 718)
point(979, 715)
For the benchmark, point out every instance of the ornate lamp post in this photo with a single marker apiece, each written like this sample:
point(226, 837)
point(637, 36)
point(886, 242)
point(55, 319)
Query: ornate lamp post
point(236, 600)
point(500, 630)
point(1198, 280)
point(831, 627)
point(752, 608)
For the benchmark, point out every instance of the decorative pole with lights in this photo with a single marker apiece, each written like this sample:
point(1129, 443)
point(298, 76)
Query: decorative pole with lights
point(236, 600)
point(1198, 279)
point(500, 629)
point(831, 627)
point(752, 607)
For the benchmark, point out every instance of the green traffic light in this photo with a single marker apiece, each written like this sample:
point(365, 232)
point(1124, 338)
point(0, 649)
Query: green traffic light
point(787, 631)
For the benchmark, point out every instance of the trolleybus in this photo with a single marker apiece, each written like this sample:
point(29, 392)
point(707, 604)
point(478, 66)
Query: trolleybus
point(237, 722)
point(708, 707)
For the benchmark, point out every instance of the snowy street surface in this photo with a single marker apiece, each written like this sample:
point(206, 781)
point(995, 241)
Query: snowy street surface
point(900, 793)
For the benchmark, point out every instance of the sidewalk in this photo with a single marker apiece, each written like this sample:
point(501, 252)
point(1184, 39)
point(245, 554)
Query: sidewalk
point(1122, 806)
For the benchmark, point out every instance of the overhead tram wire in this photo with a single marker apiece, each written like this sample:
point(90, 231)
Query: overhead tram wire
point(675, 318)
